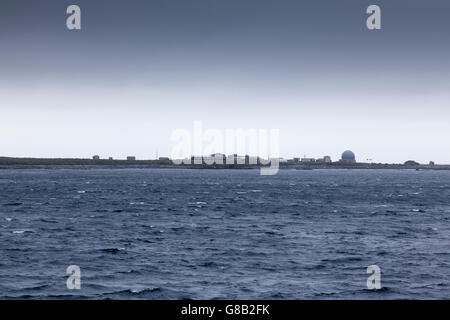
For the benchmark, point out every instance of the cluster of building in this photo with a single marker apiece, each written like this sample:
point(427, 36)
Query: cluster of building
point(129, 158)
point(347, 157)
point(219, 158)
point(326, 159)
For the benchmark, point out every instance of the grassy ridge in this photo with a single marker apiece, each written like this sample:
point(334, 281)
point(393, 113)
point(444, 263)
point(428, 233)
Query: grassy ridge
point(74, 161)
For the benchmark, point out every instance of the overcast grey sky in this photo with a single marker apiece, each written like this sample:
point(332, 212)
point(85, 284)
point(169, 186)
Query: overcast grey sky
point(139, 69)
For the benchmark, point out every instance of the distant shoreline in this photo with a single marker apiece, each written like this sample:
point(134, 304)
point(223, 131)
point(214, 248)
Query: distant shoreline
point(42, 163)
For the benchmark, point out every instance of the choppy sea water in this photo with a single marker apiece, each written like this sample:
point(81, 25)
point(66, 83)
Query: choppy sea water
point(224, 234)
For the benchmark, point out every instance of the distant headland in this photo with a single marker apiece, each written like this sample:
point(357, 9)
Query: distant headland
point(214, 161)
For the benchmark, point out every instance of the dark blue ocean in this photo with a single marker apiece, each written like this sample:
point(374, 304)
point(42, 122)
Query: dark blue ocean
point(224, 234)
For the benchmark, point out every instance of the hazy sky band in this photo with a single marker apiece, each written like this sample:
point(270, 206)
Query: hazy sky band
point(333, 83)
